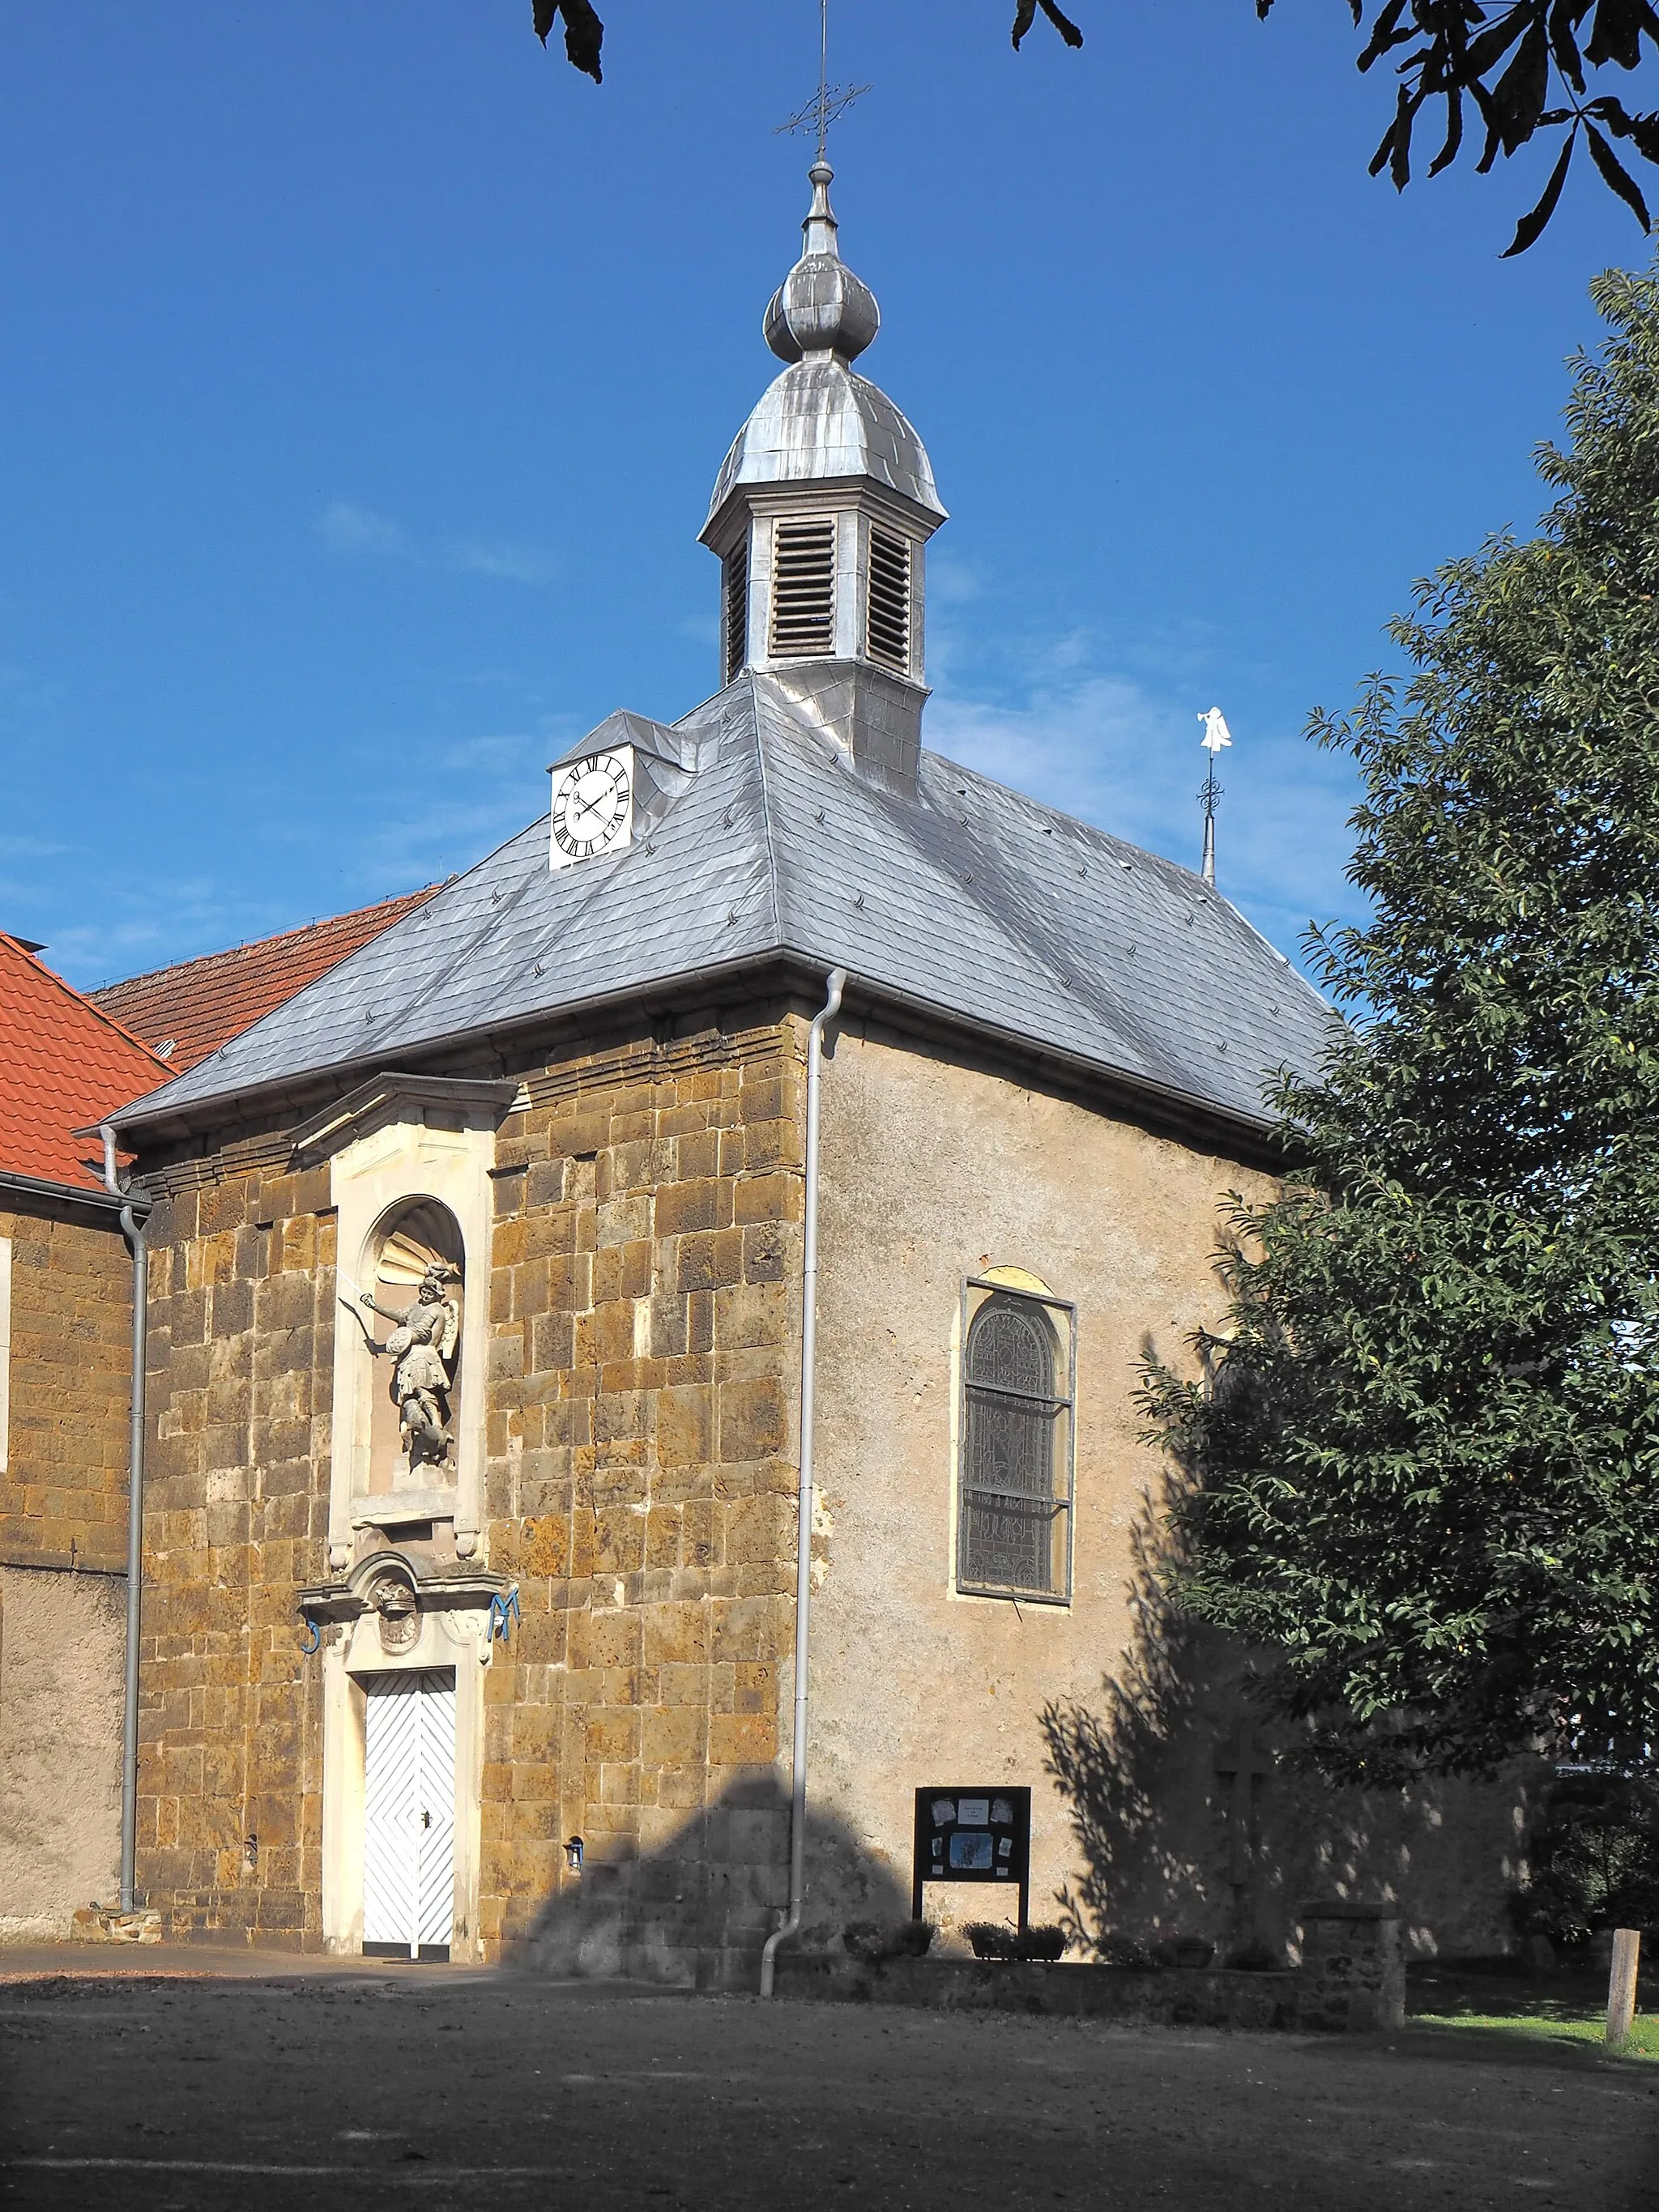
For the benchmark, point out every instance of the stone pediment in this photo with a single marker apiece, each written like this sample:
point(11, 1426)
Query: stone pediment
point(440, 1102)
point(462, 1588)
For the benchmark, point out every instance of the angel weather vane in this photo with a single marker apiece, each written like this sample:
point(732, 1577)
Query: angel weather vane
point(830, 101)
point(1216, 735)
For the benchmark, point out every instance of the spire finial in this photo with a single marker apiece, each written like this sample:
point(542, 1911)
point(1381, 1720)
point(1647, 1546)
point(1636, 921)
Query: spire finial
point(820, 226)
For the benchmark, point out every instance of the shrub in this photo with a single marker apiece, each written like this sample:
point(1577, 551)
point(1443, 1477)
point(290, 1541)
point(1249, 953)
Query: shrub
point(1126, 1951)
point(993, 1939)
point(876, 1941)
point(1595, 1859)
point(990, 1939)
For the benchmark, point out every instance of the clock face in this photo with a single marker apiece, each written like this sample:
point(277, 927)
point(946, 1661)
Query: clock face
point(592, 806)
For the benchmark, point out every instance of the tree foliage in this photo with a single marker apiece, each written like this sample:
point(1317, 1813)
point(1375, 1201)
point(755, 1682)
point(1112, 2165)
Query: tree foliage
point(1426, 1456)
point(1520, 66)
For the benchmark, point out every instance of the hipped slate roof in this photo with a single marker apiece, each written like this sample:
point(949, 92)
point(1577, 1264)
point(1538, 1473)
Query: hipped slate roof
point(62, 1065)
point(756, 837)
point(199, 1004)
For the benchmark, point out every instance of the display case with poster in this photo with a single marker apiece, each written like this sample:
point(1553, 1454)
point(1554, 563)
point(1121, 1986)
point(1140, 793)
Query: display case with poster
point(973, 1835)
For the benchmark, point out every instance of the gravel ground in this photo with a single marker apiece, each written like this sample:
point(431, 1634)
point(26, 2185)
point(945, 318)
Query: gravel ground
point(268, 2088)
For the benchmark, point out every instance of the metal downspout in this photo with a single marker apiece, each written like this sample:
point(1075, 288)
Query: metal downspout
point(132, 1230)
point(808, 1348)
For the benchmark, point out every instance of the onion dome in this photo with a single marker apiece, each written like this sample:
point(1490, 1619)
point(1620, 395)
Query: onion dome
point(821, 307)
point(819, 420)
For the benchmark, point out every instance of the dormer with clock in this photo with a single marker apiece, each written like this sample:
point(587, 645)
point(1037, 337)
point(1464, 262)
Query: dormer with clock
point(592, 809)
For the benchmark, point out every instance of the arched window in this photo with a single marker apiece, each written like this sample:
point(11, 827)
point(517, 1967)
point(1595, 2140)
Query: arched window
point(1014, 1502)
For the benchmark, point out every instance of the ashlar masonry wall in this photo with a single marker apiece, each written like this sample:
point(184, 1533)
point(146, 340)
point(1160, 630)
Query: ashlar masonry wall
point(63, 1465)
point(645, 1388)
point(236, 1524)
point(66, 1324)
point(640, 1411)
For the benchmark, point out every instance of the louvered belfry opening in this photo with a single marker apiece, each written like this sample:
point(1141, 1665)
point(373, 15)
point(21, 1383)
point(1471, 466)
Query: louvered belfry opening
point(804, 587)
point(735, 590)
point(887, 626)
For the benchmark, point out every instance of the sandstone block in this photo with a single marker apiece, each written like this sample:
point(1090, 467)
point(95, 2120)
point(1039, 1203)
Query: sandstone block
point(741, 1739)
point(708, 1259)
point(754, 1419)
point(676, 1736)
point(685, 1425)
point(771, 1253)
point(704, 1204)
point(675, 1635)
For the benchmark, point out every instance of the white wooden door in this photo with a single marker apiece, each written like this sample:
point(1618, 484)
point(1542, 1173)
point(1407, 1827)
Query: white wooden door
point(409, 1846)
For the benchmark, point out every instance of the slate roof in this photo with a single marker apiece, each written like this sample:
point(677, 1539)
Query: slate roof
point(62, 1065)
point(199, 1004)
point(755, 836)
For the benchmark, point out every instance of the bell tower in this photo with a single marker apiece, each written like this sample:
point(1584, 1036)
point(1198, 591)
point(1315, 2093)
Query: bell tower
point(821, 517)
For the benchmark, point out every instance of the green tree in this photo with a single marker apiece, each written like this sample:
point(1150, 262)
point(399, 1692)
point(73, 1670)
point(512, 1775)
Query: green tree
point(1425, 1459)
point(1518, 66)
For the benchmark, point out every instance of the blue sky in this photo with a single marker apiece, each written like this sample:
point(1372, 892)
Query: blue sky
point(364, 371)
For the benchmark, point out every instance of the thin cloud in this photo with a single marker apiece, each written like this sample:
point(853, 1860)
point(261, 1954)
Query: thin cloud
point(952, 583)
point(32, 849)
point(514, 565)
point(358, 532)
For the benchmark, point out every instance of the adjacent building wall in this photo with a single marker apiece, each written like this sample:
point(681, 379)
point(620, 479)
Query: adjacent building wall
point(63, 1465)
point(62, 1638)
point(66, 1281)
point(933, 1172)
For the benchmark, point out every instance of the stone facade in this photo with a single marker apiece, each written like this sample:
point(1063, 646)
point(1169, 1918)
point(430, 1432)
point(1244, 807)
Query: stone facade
point(62, 1557)
point(936, 1170)
point(641, 1407)
point(63, 1484)
point(646, 1326)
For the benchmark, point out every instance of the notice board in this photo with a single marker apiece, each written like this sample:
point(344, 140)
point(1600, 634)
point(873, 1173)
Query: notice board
point(980, 1834)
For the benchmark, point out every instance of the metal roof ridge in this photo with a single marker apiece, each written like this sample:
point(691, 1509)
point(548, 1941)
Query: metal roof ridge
point(768, 836)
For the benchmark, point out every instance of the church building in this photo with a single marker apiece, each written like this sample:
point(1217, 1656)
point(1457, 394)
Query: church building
point(789, 1133)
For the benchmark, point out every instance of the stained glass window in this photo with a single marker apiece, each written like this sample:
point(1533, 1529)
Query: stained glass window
point(1013, 1532)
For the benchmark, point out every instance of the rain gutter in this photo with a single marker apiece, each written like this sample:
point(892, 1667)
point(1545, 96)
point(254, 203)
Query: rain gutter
point(809, 1346)
point(132, 1228)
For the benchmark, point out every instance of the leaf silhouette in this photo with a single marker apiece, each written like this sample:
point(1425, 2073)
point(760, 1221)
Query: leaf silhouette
point(584, 33)
point(1531, 227)
point(1616, 176)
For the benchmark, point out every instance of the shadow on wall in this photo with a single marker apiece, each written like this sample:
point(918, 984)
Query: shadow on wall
point(696, 1910)
point(1192, 1825)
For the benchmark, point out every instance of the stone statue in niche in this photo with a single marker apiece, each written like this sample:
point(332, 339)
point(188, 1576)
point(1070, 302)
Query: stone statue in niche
point(421, 1347)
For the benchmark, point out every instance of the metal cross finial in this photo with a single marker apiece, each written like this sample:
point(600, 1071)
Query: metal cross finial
point(832, 101)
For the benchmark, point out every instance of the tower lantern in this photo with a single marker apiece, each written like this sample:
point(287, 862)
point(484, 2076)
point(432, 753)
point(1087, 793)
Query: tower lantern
point(821, 515)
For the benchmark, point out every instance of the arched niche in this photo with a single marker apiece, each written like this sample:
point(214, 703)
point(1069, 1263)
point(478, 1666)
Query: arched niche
point(413, 1268)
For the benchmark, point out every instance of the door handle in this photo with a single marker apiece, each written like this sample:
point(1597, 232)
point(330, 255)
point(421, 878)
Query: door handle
point(426, 1819)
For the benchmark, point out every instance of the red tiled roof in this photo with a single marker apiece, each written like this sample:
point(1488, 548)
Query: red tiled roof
point(64, 1065)
point(202, 1004)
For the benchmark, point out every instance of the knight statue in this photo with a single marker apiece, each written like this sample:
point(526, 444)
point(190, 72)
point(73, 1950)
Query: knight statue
point(421, 1347)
